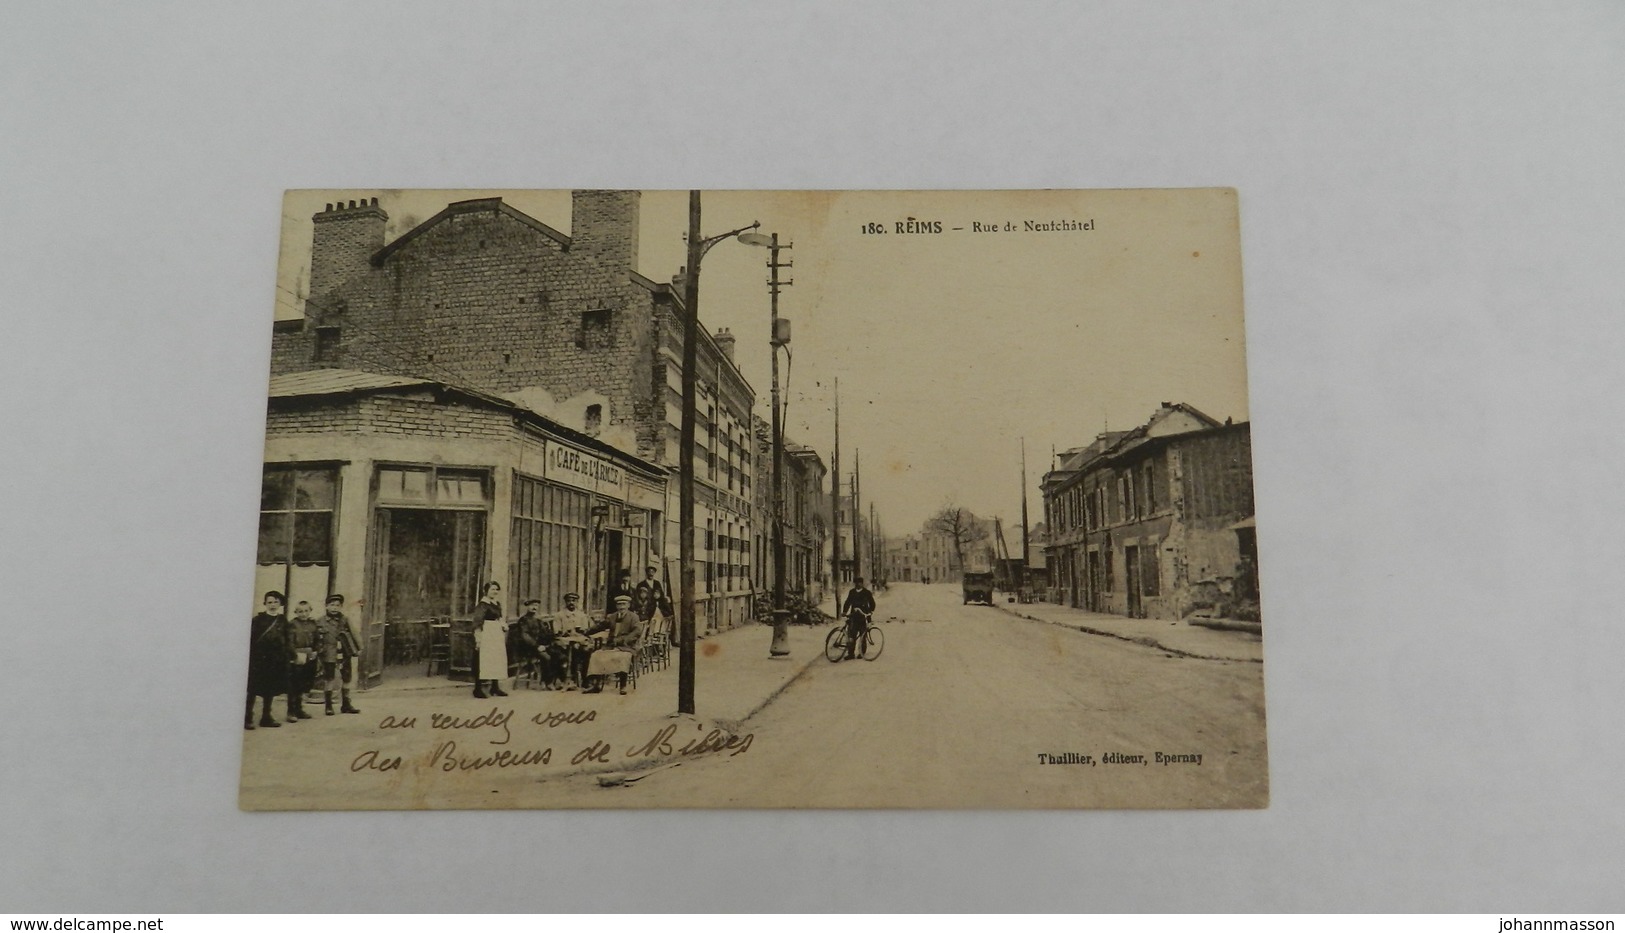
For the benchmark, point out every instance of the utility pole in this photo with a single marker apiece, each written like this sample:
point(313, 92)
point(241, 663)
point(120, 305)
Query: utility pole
point(1024, 551)
point(857, 510)
point(835, 506)
point(685, 450)
point(874, 546)
point(780, 647)
point(685, 496)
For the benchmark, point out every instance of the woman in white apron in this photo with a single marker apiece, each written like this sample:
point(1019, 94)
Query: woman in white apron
point(491, 638)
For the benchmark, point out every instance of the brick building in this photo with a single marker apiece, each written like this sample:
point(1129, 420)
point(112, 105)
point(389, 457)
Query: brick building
point(1155, 522)
point(486, 300)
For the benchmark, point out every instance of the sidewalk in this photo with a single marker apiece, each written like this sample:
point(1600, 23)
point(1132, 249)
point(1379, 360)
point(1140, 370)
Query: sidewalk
point(1181, 638)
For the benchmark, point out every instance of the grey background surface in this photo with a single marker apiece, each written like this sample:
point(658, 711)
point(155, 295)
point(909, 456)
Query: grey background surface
point(1431, 209)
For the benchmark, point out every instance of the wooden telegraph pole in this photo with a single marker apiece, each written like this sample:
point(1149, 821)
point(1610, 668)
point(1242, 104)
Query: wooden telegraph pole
point(857, 537)
point(685, 451)
point(835, 506)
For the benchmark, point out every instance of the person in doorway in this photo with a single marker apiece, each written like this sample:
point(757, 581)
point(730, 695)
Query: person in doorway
point(620, 630)
point(571, 627)
point(302, 669)
point(621, 587)
point(268, 659)
point(336, 649)
point(858, 606)
point(490, 642)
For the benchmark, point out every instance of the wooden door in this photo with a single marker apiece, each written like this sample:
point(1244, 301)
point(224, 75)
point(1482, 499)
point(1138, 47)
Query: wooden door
point(1131, 581)
point(373, 614)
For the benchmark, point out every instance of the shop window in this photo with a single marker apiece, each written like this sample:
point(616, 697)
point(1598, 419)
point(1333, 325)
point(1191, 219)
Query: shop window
point(451, 489)
point(549, 551)
point(431, 488)
point(295, 547)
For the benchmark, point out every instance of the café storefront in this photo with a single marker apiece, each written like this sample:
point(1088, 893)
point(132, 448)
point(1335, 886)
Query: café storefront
point(406, 495)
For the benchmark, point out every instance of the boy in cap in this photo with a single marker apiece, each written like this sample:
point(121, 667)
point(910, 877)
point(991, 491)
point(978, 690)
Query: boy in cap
point(302, 669)
point(336, 649)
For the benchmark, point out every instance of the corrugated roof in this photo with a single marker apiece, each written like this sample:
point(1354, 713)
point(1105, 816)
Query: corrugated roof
point(337, 382)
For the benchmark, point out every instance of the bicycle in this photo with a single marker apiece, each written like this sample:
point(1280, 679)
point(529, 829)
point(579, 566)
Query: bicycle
point(873, 640)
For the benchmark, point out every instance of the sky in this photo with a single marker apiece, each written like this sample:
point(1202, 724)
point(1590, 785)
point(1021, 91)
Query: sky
point(951, 346)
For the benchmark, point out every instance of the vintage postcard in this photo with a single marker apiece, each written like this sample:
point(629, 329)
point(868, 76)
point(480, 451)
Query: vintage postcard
point(622, 499)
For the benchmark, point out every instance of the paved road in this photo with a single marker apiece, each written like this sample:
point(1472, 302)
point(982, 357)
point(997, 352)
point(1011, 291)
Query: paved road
point(958, 711)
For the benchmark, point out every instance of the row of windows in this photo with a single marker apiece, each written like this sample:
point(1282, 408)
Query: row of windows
point(550, 531)
point(1137, 493)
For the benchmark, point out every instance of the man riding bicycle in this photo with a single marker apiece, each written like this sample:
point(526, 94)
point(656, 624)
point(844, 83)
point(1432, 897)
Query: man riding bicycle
point(857, 608)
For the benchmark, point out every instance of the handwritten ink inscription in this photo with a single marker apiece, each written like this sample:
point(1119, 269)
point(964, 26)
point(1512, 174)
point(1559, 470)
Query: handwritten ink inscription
point(497, 727)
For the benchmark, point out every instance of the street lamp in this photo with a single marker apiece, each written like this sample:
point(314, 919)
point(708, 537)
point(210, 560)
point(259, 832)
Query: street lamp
point(697, 248)
point(780, 647)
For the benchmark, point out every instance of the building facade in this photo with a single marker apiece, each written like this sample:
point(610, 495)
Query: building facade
point(485, 298)
point(806, 524)
point(903, 560)
point(1155, 522)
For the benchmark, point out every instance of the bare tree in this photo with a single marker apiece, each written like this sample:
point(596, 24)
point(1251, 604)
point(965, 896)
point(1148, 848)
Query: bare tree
point(960, 526)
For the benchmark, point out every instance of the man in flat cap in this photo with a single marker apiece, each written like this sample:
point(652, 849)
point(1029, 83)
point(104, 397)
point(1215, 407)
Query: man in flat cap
point(534, 640)
point(621, 629)
point(571, 626)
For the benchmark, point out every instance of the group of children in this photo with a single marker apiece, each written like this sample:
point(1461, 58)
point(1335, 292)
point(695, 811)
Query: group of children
point(290, 657)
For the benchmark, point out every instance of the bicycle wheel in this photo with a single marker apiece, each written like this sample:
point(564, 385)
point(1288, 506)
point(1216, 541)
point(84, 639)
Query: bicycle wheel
point(835, 643)
point(874, 643)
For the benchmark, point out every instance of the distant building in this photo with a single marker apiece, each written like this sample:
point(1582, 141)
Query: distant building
point(902, 559)
point(1155, 522)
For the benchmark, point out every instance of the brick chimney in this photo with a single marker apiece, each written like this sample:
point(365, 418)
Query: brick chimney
point(346, 235)
point(604, 226)
point(725, 343)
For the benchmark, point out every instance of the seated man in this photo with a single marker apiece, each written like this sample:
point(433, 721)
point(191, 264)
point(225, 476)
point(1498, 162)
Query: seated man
point(571, 628)
point(615, 655)
point(535, 642)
